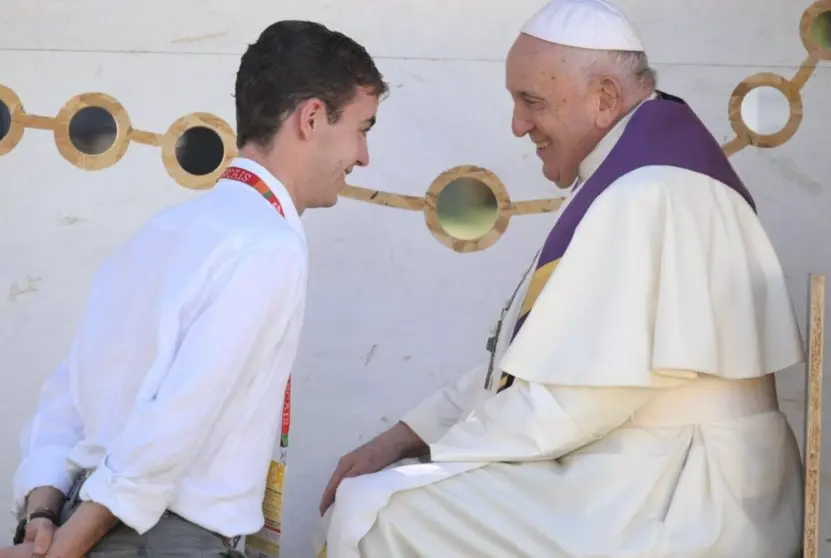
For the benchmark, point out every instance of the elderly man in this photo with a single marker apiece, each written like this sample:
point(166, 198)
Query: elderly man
point(629, 406)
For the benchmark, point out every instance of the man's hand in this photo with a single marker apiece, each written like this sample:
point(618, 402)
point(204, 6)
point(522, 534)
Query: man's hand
point(382, 451)
point(23, 550)
point(39, 531)
point(82, 531)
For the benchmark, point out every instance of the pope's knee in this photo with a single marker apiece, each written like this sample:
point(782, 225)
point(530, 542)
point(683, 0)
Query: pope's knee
point(347, 493)
point(320, 534)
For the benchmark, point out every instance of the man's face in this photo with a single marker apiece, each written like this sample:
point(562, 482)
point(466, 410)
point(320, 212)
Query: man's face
point(340, 147)
point(552, 106)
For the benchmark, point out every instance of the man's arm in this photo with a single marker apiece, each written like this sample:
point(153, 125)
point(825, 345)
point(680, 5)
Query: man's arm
point(431, 419)
point(531, 422)
point(84, 529)
point(137, 479)
point(43, 478)
point(45, 498)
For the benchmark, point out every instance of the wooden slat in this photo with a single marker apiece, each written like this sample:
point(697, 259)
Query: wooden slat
point(813, 413)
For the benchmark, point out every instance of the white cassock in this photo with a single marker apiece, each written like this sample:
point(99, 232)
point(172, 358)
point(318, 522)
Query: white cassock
point(592, 455)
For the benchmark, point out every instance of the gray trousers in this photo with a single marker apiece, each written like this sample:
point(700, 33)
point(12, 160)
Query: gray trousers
point(172, 537)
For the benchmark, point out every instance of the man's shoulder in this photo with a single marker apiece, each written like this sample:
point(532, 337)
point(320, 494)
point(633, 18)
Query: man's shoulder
point(220, 217)
point(276, 251)
point(655, 188)
point(195, 242)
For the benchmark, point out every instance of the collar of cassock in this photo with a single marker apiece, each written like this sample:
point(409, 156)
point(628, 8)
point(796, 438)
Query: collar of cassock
point(593, 160)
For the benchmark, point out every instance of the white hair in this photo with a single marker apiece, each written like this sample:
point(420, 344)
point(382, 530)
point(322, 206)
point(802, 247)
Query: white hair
point(631, 68)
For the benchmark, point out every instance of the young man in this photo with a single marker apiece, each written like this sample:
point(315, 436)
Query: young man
point(163, 416)
point(629, 408)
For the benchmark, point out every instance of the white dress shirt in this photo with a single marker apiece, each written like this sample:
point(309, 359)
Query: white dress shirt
point(173, 388)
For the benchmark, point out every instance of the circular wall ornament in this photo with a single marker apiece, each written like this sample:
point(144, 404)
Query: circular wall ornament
point(177, 133)
point(751, 133)
point(97, 159)
point(13, 132)
point(441, 227)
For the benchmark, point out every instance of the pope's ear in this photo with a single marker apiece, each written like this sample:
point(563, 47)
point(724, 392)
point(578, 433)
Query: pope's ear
point(610, 101)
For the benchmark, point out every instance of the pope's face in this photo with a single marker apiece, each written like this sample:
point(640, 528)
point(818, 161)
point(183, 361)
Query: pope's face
point(552, 106)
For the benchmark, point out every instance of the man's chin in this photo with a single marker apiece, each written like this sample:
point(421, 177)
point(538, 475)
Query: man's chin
point(332, 202)
point(556, 177)
point(324, 204)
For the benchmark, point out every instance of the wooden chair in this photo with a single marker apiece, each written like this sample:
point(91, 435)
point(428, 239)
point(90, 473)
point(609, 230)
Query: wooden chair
point(813, 414)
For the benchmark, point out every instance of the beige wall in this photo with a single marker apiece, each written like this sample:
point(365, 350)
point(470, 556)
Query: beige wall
point(392, 312)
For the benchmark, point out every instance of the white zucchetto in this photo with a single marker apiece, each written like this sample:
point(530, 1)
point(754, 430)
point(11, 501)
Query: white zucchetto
point(590, 24)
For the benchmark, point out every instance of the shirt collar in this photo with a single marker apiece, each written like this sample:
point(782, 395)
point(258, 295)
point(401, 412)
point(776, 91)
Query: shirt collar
point(292, 217)
point(593, 160)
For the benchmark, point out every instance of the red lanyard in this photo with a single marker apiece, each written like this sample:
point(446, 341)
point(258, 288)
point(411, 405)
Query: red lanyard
point(248, 177)
point(251, 179)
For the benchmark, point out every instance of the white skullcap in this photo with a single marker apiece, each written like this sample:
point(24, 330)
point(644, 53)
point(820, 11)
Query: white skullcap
point(592, 24)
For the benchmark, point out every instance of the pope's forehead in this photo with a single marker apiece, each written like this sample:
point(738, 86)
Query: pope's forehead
point(532, 58)
point(526, 45)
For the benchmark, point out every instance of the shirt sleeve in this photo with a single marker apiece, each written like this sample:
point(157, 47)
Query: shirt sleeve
point(531, 421)
point(138, 477)
point(431, 419)
point(47, 439)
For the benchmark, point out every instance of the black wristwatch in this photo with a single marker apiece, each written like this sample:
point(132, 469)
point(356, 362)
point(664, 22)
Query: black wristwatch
point(20, 532)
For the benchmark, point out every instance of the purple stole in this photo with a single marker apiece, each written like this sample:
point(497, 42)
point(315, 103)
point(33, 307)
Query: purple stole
point(662, 132)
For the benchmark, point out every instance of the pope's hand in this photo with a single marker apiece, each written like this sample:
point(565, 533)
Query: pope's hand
point(382, 451)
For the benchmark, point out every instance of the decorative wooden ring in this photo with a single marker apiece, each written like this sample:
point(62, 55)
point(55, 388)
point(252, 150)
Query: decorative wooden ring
point(483, 176)
point(114, 152)
point(741, 128)
point(806, 30)
point(177, 130)
point(16, 128)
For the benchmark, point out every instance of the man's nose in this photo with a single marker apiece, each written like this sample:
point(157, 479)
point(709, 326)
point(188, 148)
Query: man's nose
point(363, 157)
point(520, 126)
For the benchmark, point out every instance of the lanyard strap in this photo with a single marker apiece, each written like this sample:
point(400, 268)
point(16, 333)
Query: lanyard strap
point(251, 179)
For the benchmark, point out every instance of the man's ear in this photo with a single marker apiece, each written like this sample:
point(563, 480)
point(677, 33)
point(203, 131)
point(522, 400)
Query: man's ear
point(310, 115)
point(609, 101)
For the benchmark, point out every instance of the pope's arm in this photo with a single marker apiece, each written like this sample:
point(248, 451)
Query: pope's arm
point(531, 421)
point(432, 418)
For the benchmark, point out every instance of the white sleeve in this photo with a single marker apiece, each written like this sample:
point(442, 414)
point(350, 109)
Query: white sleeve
point(433, 416)
point(530, 422)
point(47, 438)
point(137, 479)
